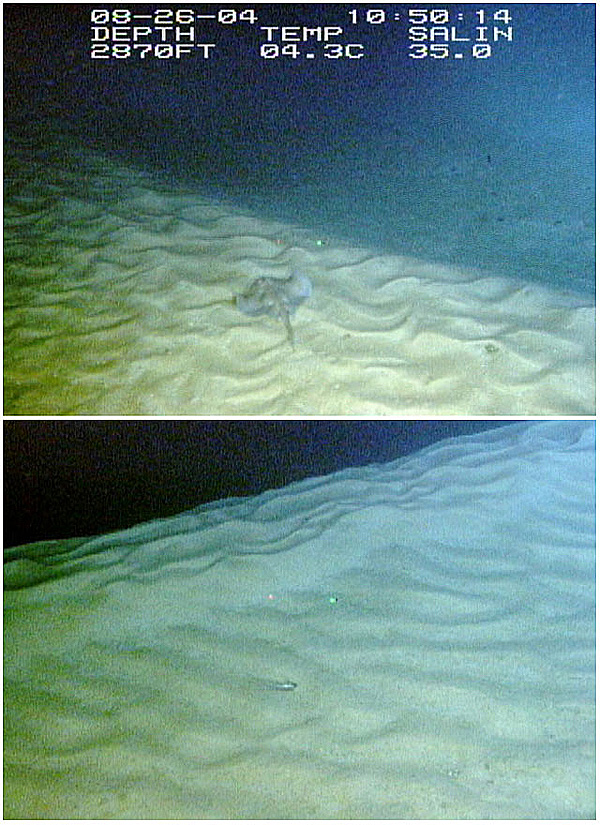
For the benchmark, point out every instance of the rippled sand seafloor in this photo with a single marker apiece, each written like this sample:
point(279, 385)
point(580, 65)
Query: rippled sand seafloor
point(119, 300)
point(436, 615)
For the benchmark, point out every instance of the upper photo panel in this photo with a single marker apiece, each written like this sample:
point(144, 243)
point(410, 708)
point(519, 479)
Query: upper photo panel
point(299, 209)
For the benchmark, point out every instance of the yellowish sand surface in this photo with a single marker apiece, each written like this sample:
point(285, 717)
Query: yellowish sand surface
point(412, 640)
point(119, 299)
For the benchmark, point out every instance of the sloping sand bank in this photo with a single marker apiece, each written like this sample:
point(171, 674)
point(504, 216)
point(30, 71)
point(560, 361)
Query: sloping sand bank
point(409, 640)
point(119, 300)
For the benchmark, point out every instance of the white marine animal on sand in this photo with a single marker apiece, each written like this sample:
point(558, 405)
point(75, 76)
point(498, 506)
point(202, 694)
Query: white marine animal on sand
point(277, 297)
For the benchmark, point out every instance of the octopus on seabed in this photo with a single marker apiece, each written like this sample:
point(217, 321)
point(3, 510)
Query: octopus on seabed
point(276, 297)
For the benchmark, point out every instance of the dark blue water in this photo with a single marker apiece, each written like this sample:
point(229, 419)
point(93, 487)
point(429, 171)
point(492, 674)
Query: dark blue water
point(61, 477)
point(485, 163)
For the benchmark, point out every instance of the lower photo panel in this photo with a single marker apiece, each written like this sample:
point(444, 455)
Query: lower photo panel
point(299, 619)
